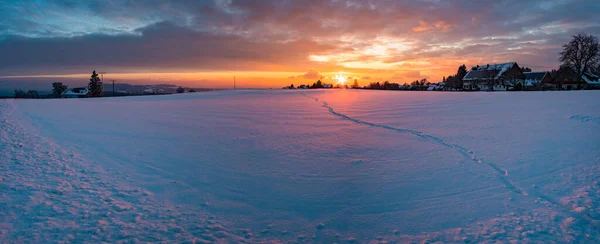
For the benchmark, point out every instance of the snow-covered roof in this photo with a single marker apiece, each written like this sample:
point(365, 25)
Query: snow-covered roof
point(328, 86)
point(532, 78)
point(79, 91)
point(589, 77)
point(488, 71)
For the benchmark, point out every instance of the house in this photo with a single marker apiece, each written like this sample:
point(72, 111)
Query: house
point(493, 77)
point(328, 86)
point(405, 87)
point(566, 78)
point(441, 86)
point(533, 79)
point(79, 92)
point(433, 88)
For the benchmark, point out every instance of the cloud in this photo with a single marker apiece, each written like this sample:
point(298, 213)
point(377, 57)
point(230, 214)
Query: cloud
point(370, 38)
point(163, 46)
point(406, 76)
point(312, 74)
point(366, 78)
point(426, 26)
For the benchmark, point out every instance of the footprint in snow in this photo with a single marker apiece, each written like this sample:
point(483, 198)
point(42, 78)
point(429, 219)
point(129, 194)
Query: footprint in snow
point(585, 118)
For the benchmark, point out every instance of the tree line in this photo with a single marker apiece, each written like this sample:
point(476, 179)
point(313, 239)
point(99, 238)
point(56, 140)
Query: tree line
point(320, 84)
point(94, 87)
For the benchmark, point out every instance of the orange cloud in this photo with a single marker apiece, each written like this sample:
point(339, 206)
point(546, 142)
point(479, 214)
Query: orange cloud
point(426, 26)
point(312, 74)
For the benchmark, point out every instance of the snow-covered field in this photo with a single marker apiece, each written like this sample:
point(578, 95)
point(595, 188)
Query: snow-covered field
point(302, 166)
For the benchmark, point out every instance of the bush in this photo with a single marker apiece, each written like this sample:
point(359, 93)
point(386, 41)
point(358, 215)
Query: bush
point(20, 93)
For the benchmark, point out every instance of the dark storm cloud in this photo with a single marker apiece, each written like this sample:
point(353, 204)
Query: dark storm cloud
point(161, 45)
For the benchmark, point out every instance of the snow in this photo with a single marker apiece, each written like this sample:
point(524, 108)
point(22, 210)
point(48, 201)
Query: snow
point(302, 166)
point(591, 79)
point(76, 92)
point(499, 68)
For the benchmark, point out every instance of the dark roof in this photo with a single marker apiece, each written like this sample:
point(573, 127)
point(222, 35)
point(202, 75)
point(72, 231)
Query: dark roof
point(538, 76)
point(78, 89)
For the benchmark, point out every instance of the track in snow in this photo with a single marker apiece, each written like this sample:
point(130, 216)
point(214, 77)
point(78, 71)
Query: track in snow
point(469, 155)
point(585, 118)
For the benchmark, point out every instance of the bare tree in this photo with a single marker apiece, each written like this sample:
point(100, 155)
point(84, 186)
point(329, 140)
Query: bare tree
point(582, 52)
point(597, 69)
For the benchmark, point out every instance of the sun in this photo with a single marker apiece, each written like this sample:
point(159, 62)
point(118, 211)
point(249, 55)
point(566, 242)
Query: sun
point(340, 78)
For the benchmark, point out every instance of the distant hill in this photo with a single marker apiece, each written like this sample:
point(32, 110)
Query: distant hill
point(156, 88)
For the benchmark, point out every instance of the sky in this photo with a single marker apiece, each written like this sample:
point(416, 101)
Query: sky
point(270, 43)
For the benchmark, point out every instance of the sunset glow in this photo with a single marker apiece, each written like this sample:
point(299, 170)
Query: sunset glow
point(273, 43)
point(340, 79)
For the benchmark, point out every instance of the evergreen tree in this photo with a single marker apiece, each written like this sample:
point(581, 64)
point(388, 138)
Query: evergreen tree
point(319, 84)
point(460, 74)
point(58, 89)
point(450, 82)
point(355, 85)
point(95, 85)
point(180, 90)
point(192, 90)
